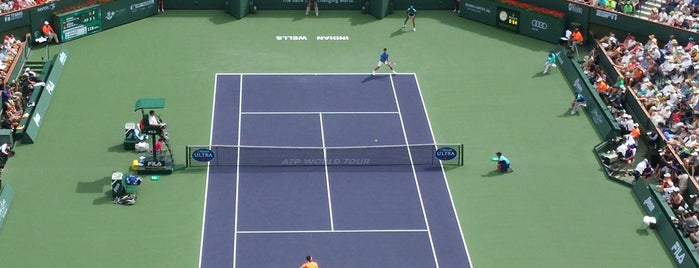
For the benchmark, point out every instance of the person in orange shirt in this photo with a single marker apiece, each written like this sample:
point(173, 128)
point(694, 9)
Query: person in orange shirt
point(636, 132)
point(49, 33)
point(602, 88)
point(575, 39)
point(310, 263)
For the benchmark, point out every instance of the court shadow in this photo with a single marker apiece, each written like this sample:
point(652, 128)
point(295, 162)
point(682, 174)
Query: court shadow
point(93, 186)
point(298, 17)
point(493, 173)
point(567, 114)
point(119, 148)
point(642, 231)
point(219, 20)
point(398, 32)
point(448, 168)
point(373, 77)
point(539, 74)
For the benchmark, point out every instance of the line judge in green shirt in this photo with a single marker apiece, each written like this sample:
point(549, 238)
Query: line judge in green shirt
point(503, 163)
point(550, 62)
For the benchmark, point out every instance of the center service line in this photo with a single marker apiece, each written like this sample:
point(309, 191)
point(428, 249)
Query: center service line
point(327, 176)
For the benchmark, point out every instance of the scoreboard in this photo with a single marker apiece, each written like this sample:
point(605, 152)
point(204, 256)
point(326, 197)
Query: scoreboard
point(79, 23)
point(508, 19)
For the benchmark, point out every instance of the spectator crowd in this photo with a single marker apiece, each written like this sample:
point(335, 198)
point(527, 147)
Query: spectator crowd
point(677, 13)
point(682, 14)
point(15, 94)
point(621, 6)
point(664, 78)
point(8, 6)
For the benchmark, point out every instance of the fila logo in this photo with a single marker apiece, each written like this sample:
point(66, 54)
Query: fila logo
point(539, 24)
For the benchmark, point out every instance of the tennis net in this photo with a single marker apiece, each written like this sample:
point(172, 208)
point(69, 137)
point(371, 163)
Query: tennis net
point(235, 155)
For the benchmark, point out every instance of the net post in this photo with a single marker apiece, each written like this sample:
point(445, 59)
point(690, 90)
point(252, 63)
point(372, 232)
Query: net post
point(187, 154)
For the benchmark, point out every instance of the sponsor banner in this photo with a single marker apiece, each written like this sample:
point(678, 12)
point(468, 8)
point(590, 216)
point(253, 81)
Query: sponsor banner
point(301, 5)
point(479, 10)
point(120, 12)
point(541, 27)
point(203, 4)
point(446, 153)
point(31, 129)
point(14, 20)
point(307, 38)
point(6, 196)
point(203, 155)
point(604, 14)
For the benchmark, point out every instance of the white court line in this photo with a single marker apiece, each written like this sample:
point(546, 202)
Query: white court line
point(294, 113)
point(237, 173)
point(327, 175)
point(318, 147)
point(366, 74)
point(206, 189)
point(335, 231)
point(412, 166)
point(444, 175)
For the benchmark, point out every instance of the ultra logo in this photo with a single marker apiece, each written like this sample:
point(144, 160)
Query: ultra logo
point(203, 155)
point(445, 153)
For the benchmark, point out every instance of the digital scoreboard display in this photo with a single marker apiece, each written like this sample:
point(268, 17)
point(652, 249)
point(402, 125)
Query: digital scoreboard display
point(508, 19)
point(79, 23)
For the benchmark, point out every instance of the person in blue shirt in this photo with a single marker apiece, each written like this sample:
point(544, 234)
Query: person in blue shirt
point(383, 60)
point(503, 163)
point(410, 14)
point(578, 101)
point(550, 62)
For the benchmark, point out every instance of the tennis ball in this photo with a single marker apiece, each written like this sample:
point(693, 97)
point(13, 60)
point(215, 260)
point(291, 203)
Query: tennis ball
point(376, 140)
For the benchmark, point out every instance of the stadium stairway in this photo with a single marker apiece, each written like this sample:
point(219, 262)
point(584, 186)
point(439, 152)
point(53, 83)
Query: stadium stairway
point(35, 66)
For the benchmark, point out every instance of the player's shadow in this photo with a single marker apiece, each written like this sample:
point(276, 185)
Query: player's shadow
point(539, 74)
point(373, 77)
point(493, 173)
point(298, 17)
point(567, 114)
point(398, 32)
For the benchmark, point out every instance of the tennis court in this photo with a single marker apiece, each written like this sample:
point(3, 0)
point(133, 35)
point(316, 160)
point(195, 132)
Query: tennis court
point(343, 209)
point(555, 210)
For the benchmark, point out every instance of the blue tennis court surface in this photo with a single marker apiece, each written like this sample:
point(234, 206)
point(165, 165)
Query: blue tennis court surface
point(344, 216)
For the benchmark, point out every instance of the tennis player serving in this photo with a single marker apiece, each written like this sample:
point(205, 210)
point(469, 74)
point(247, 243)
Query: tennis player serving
point(383, 60)
point(410, 14)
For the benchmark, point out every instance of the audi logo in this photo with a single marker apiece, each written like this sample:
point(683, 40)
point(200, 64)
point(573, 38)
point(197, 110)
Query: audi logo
point(539, 24)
